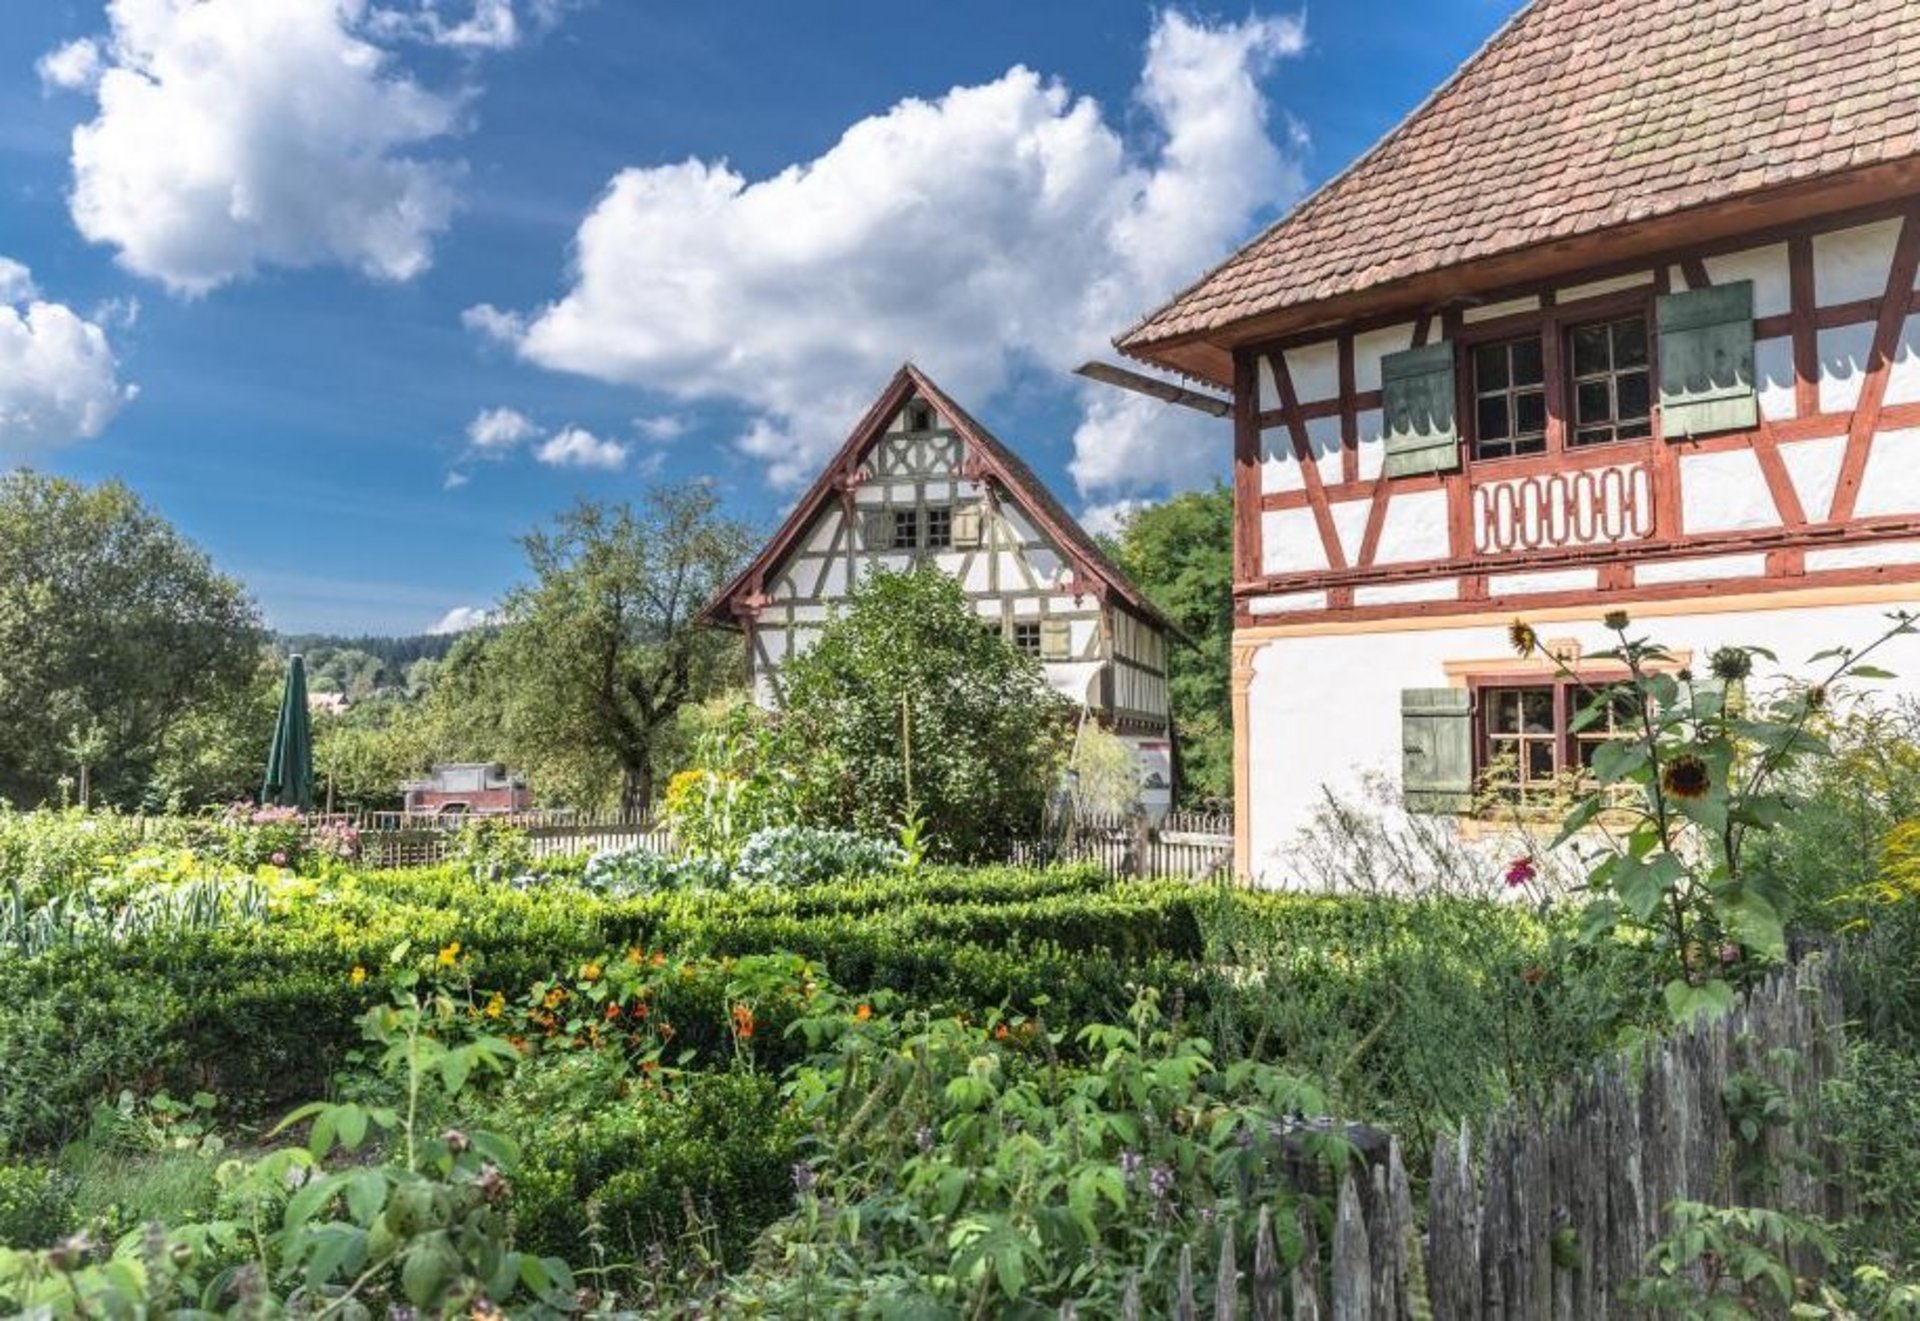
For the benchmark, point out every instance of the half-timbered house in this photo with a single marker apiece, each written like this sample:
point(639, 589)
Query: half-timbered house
point(1623, 316)
point(920, 481)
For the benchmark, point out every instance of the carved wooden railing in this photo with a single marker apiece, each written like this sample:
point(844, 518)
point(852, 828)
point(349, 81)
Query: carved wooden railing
point(1603, 505)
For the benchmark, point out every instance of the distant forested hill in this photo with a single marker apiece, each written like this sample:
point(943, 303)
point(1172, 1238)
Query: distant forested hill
point(362, 666)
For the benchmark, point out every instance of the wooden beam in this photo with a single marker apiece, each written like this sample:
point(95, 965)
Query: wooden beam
point(1108, 373)
point(1309, 469)
point(1873, 391)
point(1806, 345)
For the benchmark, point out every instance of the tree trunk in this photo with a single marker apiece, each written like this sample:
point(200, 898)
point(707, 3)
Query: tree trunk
point(636, 791)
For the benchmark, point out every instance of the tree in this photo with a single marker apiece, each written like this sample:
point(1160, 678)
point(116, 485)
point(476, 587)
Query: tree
point(1180, 553)
point(908, 705)
point(115, 631)
point(597, 655)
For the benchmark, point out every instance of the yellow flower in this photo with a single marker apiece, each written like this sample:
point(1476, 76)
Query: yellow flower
point(1525, 641)
point(495, 1004)
point(590, 973)
point(449, 954)
point(358, 975)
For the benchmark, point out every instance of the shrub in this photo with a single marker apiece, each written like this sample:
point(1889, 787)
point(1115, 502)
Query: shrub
point(1873, 1111)
point(36, 1206)
point(640, 870)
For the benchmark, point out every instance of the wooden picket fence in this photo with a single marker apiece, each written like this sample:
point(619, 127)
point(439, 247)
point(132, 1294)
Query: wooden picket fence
point(1183, 845)
point(1548, 1211)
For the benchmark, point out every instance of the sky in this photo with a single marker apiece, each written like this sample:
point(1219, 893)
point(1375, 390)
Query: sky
point(357, 292)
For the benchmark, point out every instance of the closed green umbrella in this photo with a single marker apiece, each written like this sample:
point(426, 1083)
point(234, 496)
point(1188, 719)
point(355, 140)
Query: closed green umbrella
point(289, 780)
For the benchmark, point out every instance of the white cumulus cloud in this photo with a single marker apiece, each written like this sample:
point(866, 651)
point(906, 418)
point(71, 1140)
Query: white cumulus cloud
point(235, 134)
point(461, 619)
point(497, 430)
point(486, 25)
point(576, 447)
point(1002, 224)
point(73, 67)
point(1110, 519)
point(58, 378)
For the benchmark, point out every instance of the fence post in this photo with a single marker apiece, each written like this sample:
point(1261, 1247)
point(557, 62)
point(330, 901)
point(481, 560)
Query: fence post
point(1352, 1259)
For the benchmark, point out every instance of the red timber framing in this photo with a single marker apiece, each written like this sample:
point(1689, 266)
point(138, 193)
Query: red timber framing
point(1470, 564)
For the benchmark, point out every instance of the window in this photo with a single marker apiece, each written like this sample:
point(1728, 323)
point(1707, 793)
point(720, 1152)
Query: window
point(939, 529)
point(1527, 747)
point(906, 529)
point(1510, 399)
point(1611, 389)
point(919, 417)
point(1026, 637)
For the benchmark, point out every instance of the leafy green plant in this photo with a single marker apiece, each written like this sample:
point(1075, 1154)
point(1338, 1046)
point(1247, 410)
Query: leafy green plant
point(36, 1205)
point(1699, 766)
point(808, 855)
point(1716, 1263)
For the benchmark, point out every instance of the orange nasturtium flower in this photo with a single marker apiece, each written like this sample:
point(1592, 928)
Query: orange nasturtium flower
point(358, 975)
point(743, 1022)
point(863, 1012)
point(449, 953)
point(590, 973)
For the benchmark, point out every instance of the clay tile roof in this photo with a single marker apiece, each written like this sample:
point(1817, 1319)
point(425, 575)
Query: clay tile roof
point(1020, 483)
point(1576, 116)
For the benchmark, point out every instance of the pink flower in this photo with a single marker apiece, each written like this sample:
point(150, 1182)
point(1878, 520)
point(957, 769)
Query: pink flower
point(1521, 871)
point(1729, 953)
point(279, 857)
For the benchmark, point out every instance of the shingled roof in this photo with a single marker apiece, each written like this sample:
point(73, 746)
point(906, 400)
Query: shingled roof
point(1576, 117)
point(1015, 478)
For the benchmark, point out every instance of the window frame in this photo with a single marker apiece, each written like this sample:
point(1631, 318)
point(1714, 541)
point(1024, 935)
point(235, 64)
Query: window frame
point(1555, 323)
point(1014, 634)
point(908, 519)
point(1567, 702)
point(943, 540)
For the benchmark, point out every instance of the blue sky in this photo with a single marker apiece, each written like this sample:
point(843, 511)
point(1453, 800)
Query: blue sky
point(356, 291)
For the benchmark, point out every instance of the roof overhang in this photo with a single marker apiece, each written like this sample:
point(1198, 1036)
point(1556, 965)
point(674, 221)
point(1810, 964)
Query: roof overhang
point(1208, 354)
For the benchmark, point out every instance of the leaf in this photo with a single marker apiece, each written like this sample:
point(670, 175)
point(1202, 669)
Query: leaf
point(1616, 759)
point(310, 1108)
point(320, 1139)
point(1869, 672)
point(350, 1121)
point(338, 1250)
point(366, 1194)
point(454, 1070)
point(1643, 884)
point(1686, 1002)
point(502, 1151)
point(1754, 922)
point(313, 1195)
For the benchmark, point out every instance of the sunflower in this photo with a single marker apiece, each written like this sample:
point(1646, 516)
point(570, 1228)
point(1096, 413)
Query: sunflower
point(1525, 641)
point(1730, 664)
point(1686, 776)
point(1614, 621)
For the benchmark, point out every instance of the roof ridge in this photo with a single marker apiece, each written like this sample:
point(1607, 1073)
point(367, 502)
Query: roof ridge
point(1333, 181)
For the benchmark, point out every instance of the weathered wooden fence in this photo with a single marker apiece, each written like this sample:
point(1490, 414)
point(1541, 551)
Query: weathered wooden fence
point(1548, 1211)
point(1181, 845)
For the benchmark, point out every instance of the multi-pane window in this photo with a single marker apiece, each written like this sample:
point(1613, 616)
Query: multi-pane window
point(939, 529)
point(1509, 399)
point(1528, 748)
point(1612, 391)
point(906, 529)
point(1026, 637)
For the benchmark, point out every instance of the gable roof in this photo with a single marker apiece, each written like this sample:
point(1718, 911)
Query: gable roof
point(985, 451)
point(1580, 116)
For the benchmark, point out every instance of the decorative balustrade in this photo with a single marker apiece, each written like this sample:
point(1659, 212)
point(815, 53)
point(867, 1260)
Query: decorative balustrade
point(1597, 506)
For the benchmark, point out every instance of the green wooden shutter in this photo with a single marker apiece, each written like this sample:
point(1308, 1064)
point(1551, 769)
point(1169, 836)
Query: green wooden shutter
point(1436, 749)
point(876, 529)
point(1417, 389)
point(1706, 360)
point(1056, 639)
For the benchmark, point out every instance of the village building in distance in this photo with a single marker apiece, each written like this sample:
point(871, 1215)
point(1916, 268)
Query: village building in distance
point(468, 789)
point(920, 481)
point(1623, 317)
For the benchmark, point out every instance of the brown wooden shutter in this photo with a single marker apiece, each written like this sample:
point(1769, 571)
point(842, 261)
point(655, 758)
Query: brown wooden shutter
point(1706, 360)
point(1417, 391)
point(1436, 749)
point(1056, 639)
point(876, 529)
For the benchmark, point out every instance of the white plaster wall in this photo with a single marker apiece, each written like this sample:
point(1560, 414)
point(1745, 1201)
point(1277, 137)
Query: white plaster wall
point(1573, 293)
point(1350, 525)
point(1369, 348)
point(1555, 580)
point(1852, 264)
point(1323, 442)
point(1323, 711)
point(1281, 602)
point(1773, 377)
point(1426, 589)
point(1903, 375)
point(1724, 492)
point(1864, 557)
point(1768, 269)
point(1278, 470)
point(1493, 311)
point(1843, 365)
point(1269, 388)
point(1315, 369)
point(1290, 542)
point(1891, 483)
point(1370, 427)
point(1414, 529)
point(1814, 466)
point(1699, 568)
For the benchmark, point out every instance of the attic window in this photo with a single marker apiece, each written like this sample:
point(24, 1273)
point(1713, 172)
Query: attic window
point(919, 417)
